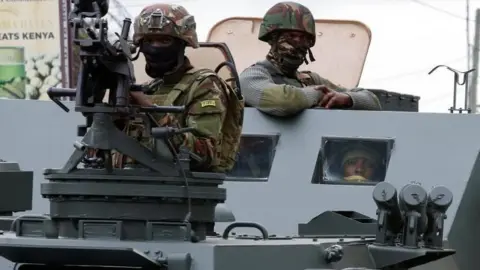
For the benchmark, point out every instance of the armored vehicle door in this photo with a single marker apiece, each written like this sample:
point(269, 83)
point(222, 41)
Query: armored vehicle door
point(340, 50)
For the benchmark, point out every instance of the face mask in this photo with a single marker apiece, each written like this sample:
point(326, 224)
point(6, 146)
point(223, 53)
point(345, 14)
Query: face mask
point(161, 60)
point(291, 57)
point(288, 56)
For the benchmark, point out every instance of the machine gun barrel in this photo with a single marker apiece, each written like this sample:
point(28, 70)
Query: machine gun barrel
point(123, 88)
point(163, 109)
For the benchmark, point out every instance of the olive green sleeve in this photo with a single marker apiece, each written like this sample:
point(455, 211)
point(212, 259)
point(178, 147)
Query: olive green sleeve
point(205, 112)
point(261, 92)
point(362, 99)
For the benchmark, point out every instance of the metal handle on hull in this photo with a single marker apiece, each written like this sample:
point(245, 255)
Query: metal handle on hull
point(245, 225)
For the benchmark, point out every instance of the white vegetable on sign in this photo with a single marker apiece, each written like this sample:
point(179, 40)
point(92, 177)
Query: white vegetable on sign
point(43, 72)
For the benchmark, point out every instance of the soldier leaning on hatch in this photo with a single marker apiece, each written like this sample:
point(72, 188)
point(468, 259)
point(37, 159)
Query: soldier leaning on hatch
point(275, 86)
point(162, 32)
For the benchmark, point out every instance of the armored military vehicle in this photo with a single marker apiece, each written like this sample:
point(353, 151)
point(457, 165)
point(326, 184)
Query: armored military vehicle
point(161, 215)
point(292, 208)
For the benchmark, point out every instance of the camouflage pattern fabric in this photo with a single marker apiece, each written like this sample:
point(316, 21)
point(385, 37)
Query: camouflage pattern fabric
point(211, 109)
point(287, 16)
point(284, 49)
point(267, 88)
point(232, 124)
point(165, 19)
point(206, 109)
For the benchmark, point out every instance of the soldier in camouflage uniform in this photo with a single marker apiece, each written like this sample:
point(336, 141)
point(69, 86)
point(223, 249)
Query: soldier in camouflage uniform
point(276, 87)
point(162, 32)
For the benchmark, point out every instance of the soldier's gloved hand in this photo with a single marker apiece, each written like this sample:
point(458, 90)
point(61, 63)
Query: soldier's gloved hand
point(333, 99)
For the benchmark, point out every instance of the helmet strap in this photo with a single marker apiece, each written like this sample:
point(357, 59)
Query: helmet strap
point(310, 56)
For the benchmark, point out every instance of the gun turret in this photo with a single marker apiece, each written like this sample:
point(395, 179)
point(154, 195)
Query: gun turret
point(160, 193)
point(159, 199)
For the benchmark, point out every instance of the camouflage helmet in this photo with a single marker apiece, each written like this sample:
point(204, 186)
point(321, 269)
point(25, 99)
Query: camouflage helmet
point(287, 16)
point(165, 19)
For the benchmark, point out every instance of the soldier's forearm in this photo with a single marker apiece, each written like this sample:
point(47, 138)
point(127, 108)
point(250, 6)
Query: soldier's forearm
point(364, 100)
point(283, 100)
point(262, 92)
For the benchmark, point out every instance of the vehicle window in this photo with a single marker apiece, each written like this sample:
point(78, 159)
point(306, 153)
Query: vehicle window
point(255, 156)
point(353, 161)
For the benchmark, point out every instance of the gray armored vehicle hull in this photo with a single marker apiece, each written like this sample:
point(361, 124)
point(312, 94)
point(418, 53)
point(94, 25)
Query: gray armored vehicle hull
point(289, 197)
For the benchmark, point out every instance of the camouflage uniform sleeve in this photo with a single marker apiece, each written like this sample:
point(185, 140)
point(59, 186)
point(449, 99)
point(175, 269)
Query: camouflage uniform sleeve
point(205, 112)
point(362, 99)
point(261, 92)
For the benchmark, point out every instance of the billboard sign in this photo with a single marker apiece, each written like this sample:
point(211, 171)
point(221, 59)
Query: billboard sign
point(33, 51)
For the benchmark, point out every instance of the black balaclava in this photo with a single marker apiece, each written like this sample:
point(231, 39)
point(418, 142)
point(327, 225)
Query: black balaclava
point(163, 60)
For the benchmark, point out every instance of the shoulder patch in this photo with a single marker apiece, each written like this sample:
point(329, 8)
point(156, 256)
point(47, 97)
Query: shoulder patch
point(208, 103)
